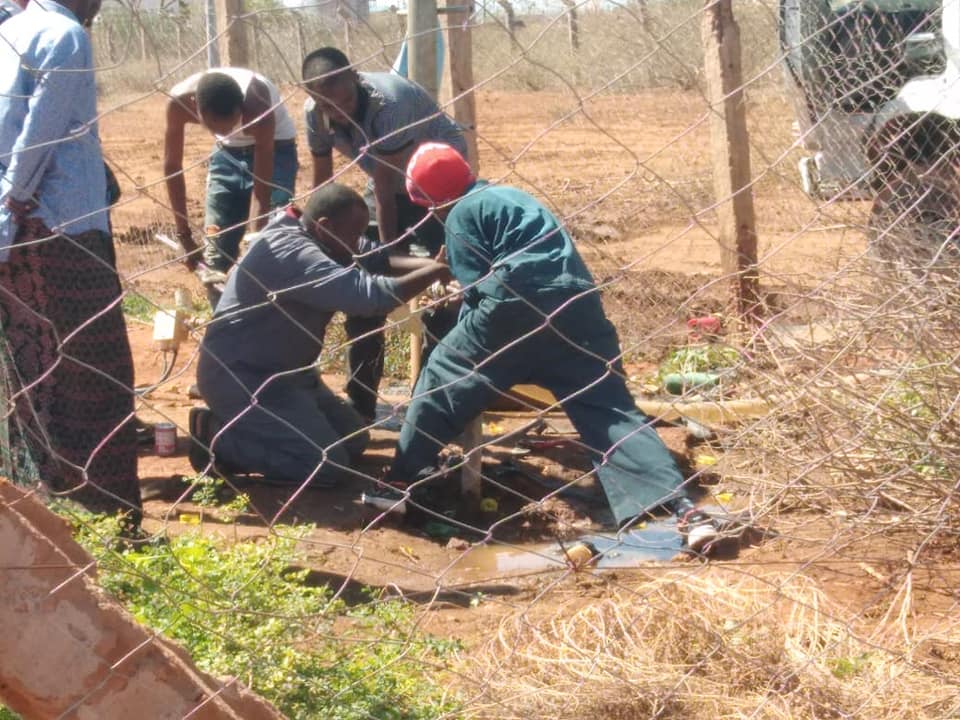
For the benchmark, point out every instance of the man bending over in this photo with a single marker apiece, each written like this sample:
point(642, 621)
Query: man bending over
point(531, 314)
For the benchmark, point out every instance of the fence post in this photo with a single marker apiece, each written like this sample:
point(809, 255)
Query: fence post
point(730, 141)
point(422, 69)
point(233, 33)
point(644, 12)
point(573, 25)
point(210, 12)
point(178, 29)
point(143, 39)
point(422, 43)
point(301, 49)
point(422, 27)
point(512, 22)
point(458, 74)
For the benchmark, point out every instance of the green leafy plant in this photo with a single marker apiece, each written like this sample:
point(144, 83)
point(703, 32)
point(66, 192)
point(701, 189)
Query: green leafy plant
point(138, 307)
point(396, 351)
point(845, 668)
point(699, 358)
point(243, 610)
point(206, 489)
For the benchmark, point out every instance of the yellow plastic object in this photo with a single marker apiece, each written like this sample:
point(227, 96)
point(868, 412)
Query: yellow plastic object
point(489, 505)
point(579, 555)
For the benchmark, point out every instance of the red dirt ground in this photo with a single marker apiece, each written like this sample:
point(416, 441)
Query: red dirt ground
point(636, 204)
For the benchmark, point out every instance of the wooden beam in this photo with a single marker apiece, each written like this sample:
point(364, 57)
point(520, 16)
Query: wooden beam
point(730, 141)
point(458, 74)
point(471, 486)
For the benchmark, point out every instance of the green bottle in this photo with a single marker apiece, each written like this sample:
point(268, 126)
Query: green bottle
point(680, 383)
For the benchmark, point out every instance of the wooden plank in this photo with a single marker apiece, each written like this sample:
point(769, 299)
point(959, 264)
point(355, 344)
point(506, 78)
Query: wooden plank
point(416, 340)
point(730, 142)
point(705, 412)
point(471, 488)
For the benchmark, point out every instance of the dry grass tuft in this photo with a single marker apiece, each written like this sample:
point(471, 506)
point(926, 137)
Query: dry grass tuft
point(712, 645)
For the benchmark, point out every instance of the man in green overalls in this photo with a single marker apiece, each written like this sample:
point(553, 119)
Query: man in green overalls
point(531, 314)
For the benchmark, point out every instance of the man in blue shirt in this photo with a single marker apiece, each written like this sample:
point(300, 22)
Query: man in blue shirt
point(376, 119)
point(531, 314)
point(257, 362)
point(68, 369)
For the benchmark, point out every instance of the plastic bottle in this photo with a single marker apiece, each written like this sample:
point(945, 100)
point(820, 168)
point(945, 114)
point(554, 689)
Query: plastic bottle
point(680, 383)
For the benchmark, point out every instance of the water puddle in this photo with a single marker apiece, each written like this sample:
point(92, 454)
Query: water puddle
point(656, 541)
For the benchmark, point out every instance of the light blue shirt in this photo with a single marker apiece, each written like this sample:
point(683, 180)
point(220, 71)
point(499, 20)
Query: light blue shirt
point(49, 146)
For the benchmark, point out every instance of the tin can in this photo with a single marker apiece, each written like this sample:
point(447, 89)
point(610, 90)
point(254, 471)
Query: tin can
point(165, 439)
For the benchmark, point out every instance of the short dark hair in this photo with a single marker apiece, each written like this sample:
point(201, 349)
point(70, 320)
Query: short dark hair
point(219, 95)
point(330, 200)
point(324, 61)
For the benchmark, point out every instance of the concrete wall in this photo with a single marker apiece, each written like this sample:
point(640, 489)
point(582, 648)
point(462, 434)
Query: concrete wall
point(68, 651)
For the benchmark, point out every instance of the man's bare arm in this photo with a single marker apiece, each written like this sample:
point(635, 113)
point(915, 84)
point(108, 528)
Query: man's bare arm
point(415, 282)
point(400, 264)
point(177, 118)
point(388, 182)
point(259, 113)
point(322, 169)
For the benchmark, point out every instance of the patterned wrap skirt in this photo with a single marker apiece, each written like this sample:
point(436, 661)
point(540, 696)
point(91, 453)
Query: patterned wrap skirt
point(66, 371)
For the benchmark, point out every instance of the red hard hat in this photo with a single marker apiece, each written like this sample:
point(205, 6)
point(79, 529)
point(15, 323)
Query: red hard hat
point(437, 174)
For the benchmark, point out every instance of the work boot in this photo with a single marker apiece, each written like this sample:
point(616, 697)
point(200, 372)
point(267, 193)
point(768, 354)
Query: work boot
point(203, 427)
point(419, 501)
point(698, 529)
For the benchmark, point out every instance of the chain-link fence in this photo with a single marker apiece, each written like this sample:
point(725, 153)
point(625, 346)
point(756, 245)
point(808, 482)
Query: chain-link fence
point(817, 435)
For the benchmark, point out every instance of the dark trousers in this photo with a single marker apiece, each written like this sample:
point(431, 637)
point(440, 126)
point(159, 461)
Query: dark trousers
point(366, 351)
point(501, 343)
point(229, 193)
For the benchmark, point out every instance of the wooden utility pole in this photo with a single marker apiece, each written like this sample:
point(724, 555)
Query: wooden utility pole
point(422, 29)
point(458, 74)
point(233, 33)
point(730, 141)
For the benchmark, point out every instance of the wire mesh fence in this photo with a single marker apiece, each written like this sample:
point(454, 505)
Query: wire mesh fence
point(818, 433)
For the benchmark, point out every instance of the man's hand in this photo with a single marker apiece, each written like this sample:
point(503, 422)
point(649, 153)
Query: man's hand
point(20, 208)
point(190, 248)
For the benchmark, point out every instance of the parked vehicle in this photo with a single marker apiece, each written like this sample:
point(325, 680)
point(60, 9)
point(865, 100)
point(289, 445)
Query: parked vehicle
point(875, 86)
